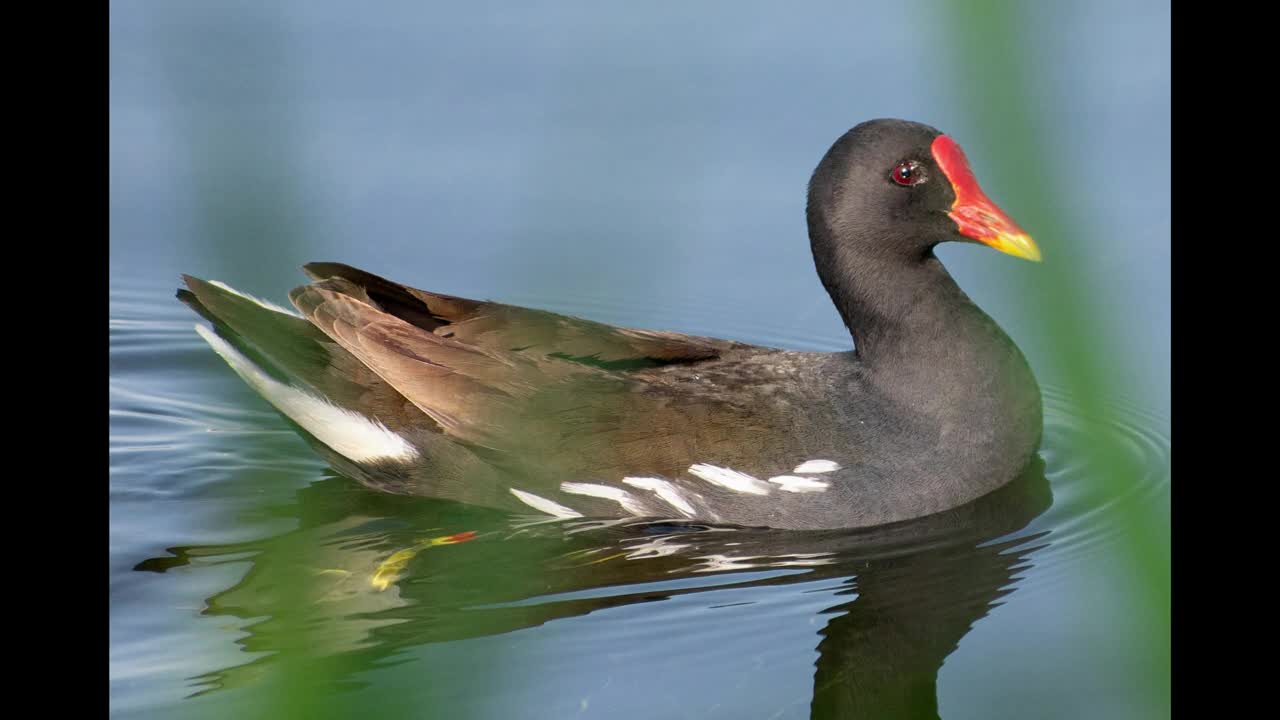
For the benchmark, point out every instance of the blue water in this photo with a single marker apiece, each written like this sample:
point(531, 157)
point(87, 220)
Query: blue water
point(638, 166)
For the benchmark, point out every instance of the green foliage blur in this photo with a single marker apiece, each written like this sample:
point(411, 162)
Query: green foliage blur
point(984, 38)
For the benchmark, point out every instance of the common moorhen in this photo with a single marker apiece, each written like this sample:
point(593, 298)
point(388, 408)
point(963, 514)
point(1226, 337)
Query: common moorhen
point(410, 391)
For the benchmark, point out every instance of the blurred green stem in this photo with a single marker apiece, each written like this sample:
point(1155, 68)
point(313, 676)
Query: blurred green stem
point(988, 65)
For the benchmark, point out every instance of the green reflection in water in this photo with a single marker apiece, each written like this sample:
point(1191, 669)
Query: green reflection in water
point(322, 621)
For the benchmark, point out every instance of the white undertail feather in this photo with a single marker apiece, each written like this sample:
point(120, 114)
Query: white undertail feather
point(730, 479)
point(664, 490)
point(543, 505)
point(347, 433)
point(264, 303)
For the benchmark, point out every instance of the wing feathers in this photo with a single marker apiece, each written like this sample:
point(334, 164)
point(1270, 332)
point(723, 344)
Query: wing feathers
point(456, 384)
point(507, 328)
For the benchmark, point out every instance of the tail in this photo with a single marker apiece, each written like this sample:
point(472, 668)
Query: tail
point(307, 377)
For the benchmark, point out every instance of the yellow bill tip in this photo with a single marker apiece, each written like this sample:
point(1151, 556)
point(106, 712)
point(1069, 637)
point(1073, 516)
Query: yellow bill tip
point(1018, 245)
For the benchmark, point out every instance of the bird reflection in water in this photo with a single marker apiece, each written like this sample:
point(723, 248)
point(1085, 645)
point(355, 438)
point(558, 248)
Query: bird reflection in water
point(367, 576)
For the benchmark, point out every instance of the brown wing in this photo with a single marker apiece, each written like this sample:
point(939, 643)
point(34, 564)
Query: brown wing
point(507, 328)
point(456, 384)
point(522, 405)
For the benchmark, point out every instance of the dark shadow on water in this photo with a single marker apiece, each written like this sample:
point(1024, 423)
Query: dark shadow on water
point(367, 576)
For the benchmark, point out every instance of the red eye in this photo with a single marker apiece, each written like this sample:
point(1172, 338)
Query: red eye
point(908, 173)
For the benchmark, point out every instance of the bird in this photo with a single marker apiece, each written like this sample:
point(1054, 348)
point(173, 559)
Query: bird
point(542, 414)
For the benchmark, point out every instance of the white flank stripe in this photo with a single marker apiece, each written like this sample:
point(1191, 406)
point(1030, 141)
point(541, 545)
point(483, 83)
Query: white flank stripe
point(731, 479)
point(664, 490)
point(544, 505)
point(264, 303)
point(791, 483)
point(618, 495)
point(817, 466)
point(348, 433)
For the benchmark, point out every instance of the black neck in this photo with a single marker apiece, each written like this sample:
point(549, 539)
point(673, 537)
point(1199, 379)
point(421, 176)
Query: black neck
point(920, 338)
point(894, 307)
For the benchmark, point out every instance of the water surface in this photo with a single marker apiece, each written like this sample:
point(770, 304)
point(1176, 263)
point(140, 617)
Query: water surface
point(245, 571)
point(646, 168)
